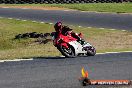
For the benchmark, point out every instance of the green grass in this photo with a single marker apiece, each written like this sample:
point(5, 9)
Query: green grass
point(99, 7)
point(10, 48)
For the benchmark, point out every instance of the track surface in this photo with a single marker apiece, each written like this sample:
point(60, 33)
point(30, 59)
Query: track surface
point(60, 72)
point(105, 20)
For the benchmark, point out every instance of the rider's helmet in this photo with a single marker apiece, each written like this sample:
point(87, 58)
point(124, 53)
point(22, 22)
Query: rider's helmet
point(58, 26)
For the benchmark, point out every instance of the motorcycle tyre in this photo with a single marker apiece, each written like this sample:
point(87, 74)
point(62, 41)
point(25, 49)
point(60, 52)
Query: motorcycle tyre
point(60, 48)
point(91, 53)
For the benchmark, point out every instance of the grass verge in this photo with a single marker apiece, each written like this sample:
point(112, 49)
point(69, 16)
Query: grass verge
point(99, 7)
point(103, 40)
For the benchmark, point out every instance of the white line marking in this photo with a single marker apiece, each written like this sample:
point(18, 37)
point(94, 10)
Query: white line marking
point(127, 51)
point(123, 30)
point(1, 17)
point(34, 21)
point(16, 60)
point(17, 19)
point(10, 18)
point(24, 20)
point(66, 10)
point(89, 27)
point(114, 52)
point(50, 23)
point(112, 29)
point(62, 56)
point(79, 26)
point(101, 28)
point(42, 22)
point(5, 7)
point(1, 61)
point(100, 53)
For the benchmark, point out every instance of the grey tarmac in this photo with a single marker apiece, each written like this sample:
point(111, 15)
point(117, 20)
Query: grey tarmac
point(61, 72)
point(87, 19)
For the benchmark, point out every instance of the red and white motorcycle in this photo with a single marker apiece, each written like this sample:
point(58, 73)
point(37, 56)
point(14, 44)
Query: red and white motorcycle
point(70, 47)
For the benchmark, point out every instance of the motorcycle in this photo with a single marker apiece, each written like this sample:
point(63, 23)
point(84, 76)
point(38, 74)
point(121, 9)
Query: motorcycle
point(71, 47)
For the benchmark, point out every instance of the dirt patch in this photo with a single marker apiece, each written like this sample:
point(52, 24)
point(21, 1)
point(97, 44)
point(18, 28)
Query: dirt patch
point(115, 41)
point(37, 7)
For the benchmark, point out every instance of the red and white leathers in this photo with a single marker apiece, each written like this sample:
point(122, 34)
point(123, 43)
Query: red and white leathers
point(67, 32)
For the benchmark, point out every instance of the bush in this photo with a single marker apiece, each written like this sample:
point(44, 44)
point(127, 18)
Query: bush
point(60, 1)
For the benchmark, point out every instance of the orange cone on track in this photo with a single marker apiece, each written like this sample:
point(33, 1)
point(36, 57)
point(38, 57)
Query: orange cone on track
point(84, 73)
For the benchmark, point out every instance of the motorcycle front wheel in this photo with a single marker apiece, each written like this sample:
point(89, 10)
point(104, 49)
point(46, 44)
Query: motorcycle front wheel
point(67, 52)
point(91, 51)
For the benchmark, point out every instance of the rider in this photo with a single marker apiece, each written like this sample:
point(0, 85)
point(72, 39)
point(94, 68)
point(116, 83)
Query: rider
point(65, 30)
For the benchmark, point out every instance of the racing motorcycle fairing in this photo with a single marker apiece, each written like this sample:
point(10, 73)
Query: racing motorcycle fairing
point(70, 47)
point(77, 47)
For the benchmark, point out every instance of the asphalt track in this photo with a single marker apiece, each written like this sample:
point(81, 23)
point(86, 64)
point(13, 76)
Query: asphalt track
point(88, 19)
point(60, 72)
